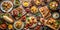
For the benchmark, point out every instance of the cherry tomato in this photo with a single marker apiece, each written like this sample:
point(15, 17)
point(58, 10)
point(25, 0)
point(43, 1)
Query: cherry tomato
point(24, 17)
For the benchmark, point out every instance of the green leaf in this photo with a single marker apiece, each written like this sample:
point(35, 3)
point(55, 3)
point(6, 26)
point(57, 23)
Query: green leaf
point(1, 15)
point(37, 14)
point(15, 6)
point(44, 28)
point(19, 15)
point(27, 17)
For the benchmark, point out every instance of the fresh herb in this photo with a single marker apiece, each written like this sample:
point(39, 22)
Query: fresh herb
point(58, 22)
point(37, 14)
point(27, 17)
point(45, 27)
point(6, 14)
point(17, 3)
point(19, 15)
point(0, 22)
point(1, 15)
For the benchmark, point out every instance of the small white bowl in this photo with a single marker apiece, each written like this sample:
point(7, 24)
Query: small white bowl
point(8, 9)
point(14, 2)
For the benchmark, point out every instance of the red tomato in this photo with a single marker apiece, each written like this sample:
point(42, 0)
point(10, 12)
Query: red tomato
point(3, 26)
point(23, 18)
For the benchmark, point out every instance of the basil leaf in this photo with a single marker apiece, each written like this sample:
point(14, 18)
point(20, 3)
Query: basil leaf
point(19, 15)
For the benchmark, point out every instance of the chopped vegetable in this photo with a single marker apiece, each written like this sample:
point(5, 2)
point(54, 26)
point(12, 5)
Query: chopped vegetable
point(37, 14)
point(0, 22)
point(17, 3)
point(19, 15)
point(58, 22)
